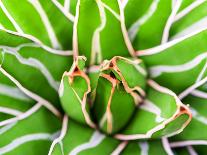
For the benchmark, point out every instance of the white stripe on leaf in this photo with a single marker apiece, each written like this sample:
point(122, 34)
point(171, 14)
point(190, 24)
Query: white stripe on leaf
point(170, 21)
point(10, 111)
point(201, 74)
point(67, 5)
point(39, 43)
point(36, 64)
point(22, 116)
point(75, 31)
point(17, 27)
point(124, 3)
point(191, 150)
point(61, 8)
point(124, 31)
point(198, 116)
point(187, 143)
point(120, 148)
point(162, 125)
point(1, 26)
point(116, 15)
point(188, 9)
point(156, 71)
point(144, 146)
point(133, 30)
point(163, 47)
point(201, 24)
point(52, 36)
point(26, 138)
point(199, 94)
point(13, 92)
point(96, 44)
point(166, 146)
point(34, 96)
point(191, 89)
point(95, 140)
point(7, 128)
point(62, 135)
point(153, 108)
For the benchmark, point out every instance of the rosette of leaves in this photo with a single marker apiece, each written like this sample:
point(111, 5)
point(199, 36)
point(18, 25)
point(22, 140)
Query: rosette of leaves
point(103, 77)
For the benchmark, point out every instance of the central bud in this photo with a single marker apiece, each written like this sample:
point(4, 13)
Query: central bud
point(106, 96)
point(119, 90)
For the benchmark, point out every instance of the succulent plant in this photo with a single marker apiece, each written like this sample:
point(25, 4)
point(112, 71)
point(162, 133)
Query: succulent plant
point(99, 77)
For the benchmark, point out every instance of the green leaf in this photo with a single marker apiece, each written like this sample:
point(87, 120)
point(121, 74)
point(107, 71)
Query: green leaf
point(40, 23)
point(88, 142)
point(93, 37)
point(152, 147)
point(198, 124)
point(161, 114)
point(189, 21)
point(36, 131)
point(74, 89)
point(172, 64)
point(118, 93)
point(146, 30)
point(37, 68)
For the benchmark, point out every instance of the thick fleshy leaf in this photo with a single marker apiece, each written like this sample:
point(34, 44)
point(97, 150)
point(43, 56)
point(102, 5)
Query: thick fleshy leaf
point(147, 29)
point(12, 102)
point(111, 105)
point(37, 68)
point(161, 114)
point(198, 106)
point(191, 18)
point(153, 147)
point(194, 136)
point(37, 130)
point(40, 23)
point(82, 140)
point(97, 32)
point(74, 90)
point(131, 11)
point(118, 92)
point(173, 63)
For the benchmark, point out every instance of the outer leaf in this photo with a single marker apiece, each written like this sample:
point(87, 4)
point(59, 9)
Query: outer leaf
point(33, 68)
point(146, 31)
point(36, 131)
point(92, 31)
point(84, 140)
point(131, 11)
point(41, 22)
point(198, 105)
point(161, 114)
point(144, 147)
point(12, 102)
point(189, 20)
point(172, 64)
point(199, 121)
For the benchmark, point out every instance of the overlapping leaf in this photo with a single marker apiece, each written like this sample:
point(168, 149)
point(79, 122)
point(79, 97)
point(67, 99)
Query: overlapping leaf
point(97, 32)
point(146, 25)
point(191, 17)
point(181, 59)
point(45, 22)
point(24, 124)
point(35, 67)
point(115, 98)
point(112, 112)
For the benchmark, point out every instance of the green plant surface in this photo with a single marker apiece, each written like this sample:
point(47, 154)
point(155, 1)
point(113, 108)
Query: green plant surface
point(101, 77)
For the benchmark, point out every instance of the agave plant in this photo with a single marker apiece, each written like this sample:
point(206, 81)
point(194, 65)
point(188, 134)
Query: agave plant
point(99, 77)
